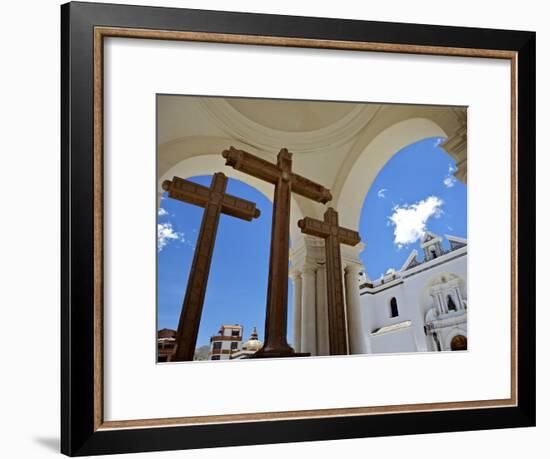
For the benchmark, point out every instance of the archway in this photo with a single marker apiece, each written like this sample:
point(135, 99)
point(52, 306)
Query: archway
point(237, 282)
point(401, 204)
point(208, 164)
point(406, 202)
point(361, 174)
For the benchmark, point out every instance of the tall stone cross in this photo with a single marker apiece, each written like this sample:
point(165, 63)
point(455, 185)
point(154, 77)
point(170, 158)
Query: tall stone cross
point(333, 235)
point(215, 202)
point(285, 181)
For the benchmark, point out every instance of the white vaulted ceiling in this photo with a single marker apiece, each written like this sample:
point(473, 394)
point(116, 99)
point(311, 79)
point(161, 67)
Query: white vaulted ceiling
point(340, 145)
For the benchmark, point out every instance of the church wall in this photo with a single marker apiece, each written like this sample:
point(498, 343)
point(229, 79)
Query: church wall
point(413, 300)
point(420, 282)
point(394, 342)
point(379, 304)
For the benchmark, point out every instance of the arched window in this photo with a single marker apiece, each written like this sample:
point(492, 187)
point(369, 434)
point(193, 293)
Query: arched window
point(451, 306)
point(394, 312)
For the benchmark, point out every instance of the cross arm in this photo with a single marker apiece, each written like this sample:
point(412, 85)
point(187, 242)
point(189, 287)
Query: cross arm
point(249, 164)
point(323, 229)
point(310, 189)
point(186, 191)
point(348, 237)
point(314, 227)
point(240, 208)
point(269, 172)
point(193, 193)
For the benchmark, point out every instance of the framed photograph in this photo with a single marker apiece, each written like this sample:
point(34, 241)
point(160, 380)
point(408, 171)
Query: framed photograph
point(280, 229)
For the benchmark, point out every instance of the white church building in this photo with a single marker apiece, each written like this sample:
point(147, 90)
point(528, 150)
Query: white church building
point(423, 306)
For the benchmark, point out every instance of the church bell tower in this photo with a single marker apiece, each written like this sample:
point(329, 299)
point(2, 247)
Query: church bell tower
point(431, 244)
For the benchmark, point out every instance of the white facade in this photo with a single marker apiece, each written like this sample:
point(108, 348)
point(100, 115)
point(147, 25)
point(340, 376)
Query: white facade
point(423, 306)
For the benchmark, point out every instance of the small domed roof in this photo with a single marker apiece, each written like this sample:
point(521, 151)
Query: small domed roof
point(166, 333)
point(253, 343)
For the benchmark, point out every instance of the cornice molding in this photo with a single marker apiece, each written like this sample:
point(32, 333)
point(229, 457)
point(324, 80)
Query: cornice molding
point(237, 125)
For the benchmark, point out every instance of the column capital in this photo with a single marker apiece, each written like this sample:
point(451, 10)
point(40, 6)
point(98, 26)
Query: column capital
point(354, 268)
point(456, 145)
point(295, 274)
point(309, 269)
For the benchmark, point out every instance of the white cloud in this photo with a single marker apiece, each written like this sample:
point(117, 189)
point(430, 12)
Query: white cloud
point(382, 193)
point(449, 181)
point(162, 212)
point(410, 221)
point(166, 233)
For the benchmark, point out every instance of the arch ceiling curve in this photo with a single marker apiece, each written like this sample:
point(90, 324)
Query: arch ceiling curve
point(350, 145)
point(172, 152)
point(306, 128)
point(370, 161)
point(208, 164)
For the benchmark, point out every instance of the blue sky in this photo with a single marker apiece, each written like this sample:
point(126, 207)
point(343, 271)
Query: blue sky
point(414, 192)
point(237, 284)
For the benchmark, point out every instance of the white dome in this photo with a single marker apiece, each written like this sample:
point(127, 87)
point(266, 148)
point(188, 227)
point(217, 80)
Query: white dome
point(253, 343)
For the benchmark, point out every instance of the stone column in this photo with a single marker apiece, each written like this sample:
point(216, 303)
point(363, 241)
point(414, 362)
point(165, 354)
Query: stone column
point(434, 292)
point(442, 304)
point(460, 304)
point(297, 311)
point(322, 313)
point(309, 321)
point(455, 298)
point(357, 334)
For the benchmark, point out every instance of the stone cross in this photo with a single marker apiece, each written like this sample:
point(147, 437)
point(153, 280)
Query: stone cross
point(215, 201)
point(286, 182)
point(333, 235)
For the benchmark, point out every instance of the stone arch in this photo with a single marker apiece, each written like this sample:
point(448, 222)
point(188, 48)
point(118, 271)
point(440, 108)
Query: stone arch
point(190, 157)
point(175, 151)
point(351, 194)
point(239, 118)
